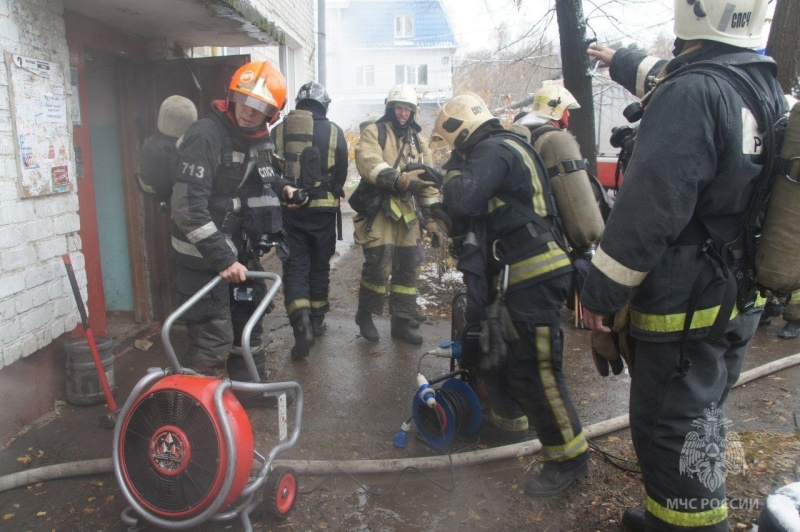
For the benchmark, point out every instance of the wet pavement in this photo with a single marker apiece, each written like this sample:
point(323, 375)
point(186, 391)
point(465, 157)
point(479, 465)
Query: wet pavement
point(357, 394)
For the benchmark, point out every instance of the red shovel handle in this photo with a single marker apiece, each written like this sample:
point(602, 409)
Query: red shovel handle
point(101, 374)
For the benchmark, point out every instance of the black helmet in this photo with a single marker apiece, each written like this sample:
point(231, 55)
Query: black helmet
point(313, 91)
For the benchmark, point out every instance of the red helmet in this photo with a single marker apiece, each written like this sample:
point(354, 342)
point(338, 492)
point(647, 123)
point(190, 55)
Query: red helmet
point(259, 85)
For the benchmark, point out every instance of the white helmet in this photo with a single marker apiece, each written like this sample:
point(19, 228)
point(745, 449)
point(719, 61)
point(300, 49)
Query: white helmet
point(552, 99)
point(459, 118)
point(402, 93)
point(734, 22)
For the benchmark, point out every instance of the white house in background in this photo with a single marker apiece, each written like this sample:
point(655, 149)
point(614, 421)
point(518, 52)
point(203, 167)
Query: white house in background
point(373, 45)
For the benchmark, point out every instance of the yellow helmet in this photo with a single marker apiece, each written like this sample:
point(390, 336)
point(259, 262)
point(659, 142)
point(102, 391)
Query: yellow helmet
point(735, 22)
point(552, 99)
point(459, 118)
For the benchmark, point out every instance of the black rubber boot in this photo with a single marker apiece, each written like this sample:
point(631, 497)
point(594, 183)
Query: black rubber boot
point(401, 329)
point(318, 326)
point(790, 330)
point(555, 478)
point(303, 334)
point(495, 436)
point(634, 519)
point(417, 320)
point(367, 328)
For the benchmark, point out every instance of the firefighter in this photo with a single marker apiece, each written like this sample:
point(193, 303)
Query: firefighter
point(578, 195)
point(319, 146)
point(225, 168)
point(546, 128)
point(389, 237)
point(661, 254)
point(496, 188)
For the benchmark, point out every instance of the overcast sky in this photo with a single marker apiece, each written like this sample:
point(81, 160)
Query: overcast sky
point(475, 21)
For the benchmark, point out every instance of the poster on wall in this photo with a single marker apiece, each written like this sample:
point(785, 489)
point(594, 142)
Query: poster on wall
point(41, 126)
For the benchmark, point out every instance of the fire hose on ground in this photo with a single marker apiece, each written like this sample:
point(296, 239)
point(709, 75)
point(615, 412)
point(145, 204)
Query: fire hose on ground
point(422, 463)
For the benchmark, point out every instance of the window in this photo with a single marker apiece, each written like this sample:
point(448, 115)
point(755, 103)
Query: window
point(411, 74)
point(403, 25)
point(365, 76)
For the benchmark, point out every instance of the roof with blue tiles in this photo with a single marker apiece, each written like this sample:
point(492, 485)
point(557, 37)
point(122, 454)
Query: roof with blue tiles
point(371, 24)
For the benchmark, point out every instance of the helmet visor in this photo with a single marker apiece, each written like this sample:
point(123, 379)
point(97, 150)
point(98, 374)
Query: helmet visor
point(251, 101)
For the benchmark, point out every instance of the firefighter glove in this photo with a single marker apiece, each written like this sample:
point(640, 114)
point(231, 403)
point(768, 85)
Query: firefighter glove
point(411, 181)
point(435, 231)
point(429, 173)
point(386, 178)
point(439, 214)
point(612, 350)
point(497, 330)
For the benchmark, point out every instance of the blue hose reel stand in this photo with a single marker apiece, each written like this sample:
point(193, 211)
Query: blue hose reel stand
point(457, 411)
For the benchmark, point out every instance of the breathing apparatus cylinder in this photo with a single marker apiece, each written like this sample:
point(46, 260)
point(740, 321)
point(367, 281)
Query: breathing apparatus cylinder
point(575, 200)
point(299, 133)
point(778, 255)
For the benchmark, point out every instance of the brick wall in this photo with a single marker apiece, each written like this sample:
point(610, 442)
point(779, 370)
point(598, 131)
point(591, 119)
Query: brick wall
point(36, 302)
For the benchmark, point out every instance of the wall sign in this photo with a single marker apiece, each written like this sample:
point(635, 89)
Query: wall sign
point(41, 126)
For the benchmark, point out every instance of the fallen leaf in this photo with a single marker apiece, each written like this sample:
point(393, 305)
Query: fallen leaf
point(6, 517)
point(143, 344)
point(40, 514)
point(24, 460)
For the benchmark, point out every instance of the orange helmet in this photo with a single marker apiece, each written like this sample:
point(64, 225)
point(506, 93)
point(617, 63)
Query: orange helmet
point(259, 85)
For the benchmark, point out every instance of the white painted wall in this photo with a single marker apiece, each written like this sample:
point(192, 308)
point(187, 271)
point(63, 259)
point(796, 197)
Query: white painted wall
point(36, 301)
point(297, 59)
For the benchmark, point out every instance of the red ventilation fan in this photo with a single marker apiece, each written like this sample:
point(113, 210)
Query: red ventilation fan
point(183, 448)
point(172, 451)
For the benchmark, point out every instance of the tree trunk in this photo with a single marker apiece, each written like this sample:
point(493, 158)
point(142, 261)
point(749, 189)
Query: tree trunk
point(783, 44)
point(575, 67)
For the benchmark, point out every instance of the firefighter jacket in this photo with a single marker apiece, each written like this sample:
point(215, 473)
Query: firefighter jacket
point(491, 167)
point(329, 139)
point(219, 168)
point(686, 190)
point(635, 70)
point(403, 146)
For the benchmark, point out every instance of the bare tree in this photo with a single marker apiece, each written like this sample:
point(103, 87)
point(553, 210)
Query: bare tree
point(505, 77)
point(575, 65)
point(784, 46)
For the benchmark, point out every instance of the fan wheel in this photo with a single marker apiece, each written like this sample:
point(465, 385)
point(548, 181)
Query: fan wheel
point(172, 449)
point(280, 492)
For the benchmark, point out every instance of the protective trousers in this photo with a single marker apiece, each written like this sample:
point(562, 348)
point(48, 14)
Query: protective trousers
point(311, 237)
point(391, 256)
point(210, 329)
point(679, 430)
point(531, 382)
point(791, 312)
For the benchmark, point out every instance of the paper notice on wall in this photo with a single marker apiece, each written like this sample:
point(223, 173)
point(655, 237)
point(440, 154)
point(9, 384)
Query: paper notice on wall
point(41, 126)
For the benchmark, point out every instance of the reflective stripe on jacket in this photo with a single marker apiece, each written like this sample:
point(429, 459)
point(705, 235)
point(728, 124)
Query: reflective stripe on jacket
point(701, 177)
point(493, 164)
point(371, 160)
